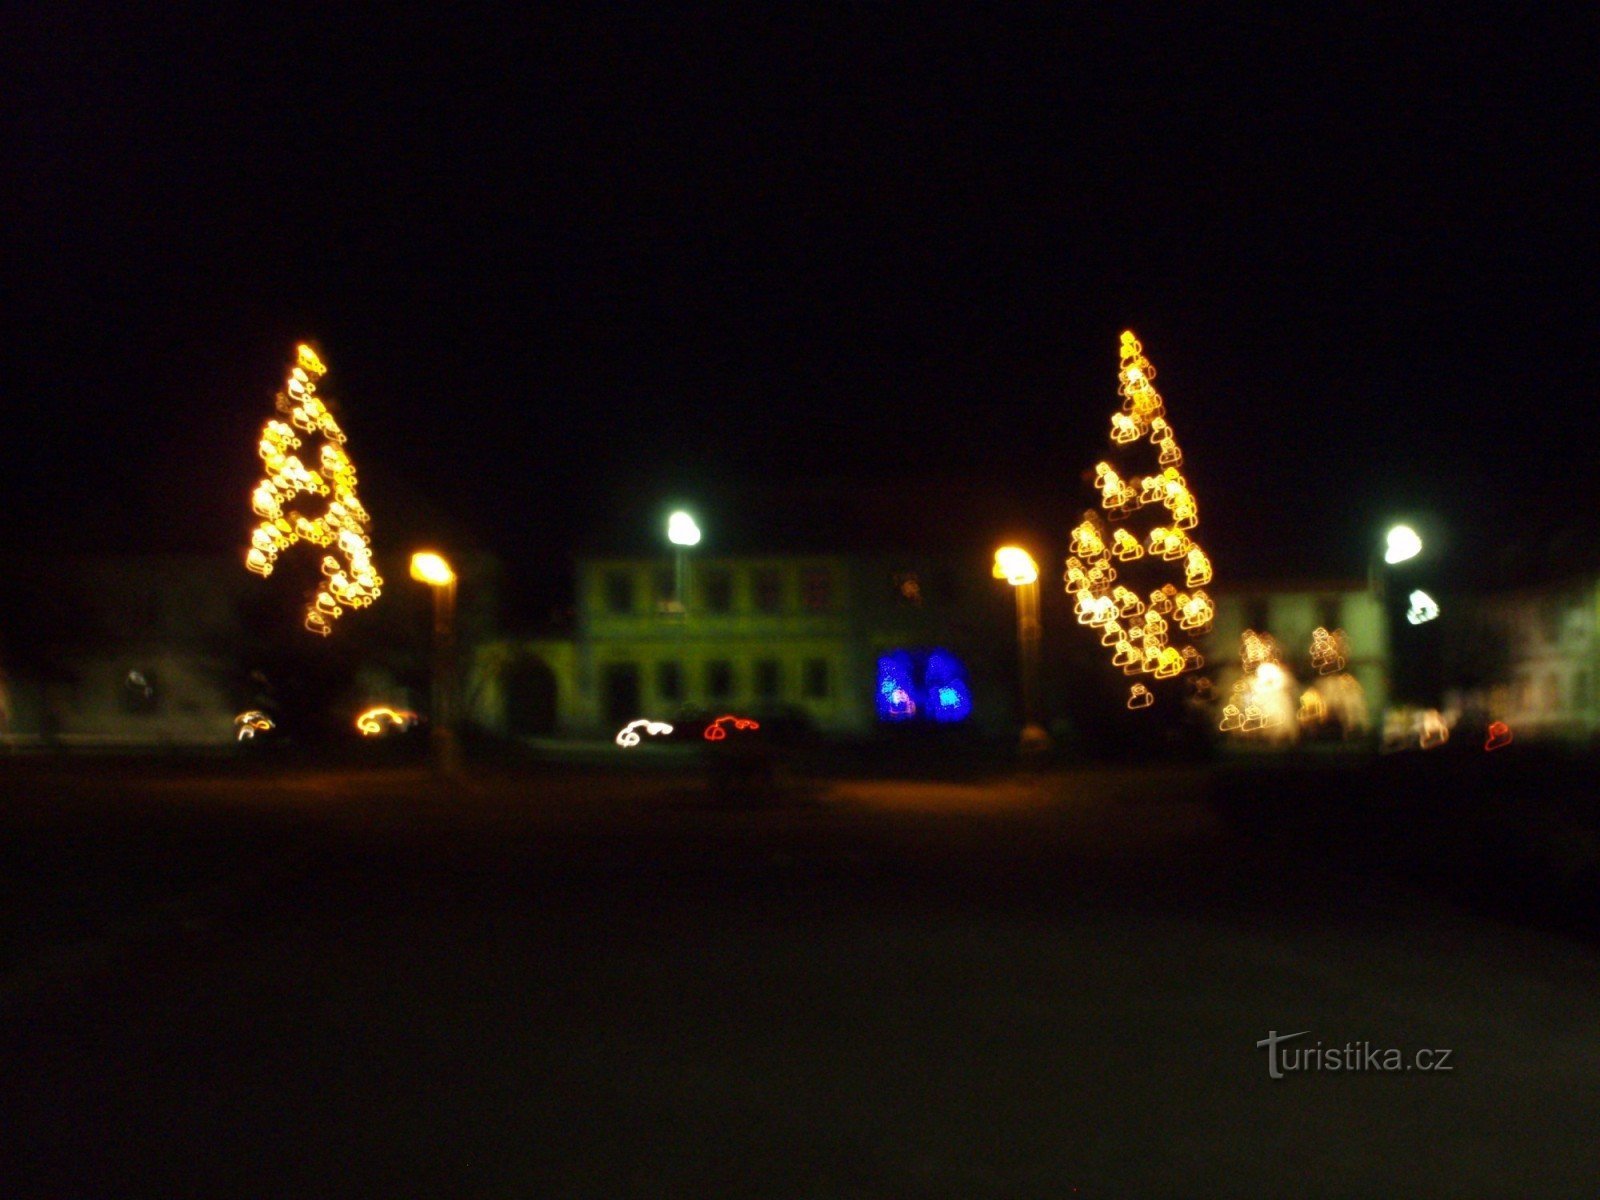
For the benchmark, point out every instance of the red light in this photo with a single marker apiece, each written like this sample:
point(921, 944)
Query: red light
point(716, 731)
point(1499, 735)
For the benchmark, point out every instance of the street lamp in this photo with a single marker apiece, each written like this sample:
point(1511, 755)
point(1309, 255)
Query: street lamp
point(682, 532)
point(1401, 544)
point(1016, 566)
point(431, 569)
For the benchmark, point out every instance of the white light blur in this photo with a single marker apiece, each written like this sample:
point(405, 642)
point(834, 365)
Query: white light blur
point(1403, 543)
point(682, 531)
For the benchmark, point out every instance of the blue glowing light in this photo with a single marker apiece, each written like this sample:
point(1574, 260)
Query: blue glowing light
point(897, 689)
point(926, 685)
point(946, 679)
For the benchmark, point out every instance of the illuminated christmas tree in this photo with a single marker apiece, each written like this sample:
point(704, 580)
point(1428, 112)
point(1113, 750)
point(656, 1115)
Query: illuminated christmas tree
point(348, 577)
point(1141, 583)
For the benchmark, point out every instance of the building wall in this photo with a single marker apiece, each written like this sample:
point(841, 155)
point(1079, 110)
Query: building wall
point(1290, 613)
point(1553, 655)
point(737, 613)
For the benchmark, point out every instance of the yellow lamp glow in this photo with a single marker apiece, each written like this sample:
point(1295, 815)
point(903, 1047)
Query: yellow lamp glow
point(1015, 565)
point(431, 569)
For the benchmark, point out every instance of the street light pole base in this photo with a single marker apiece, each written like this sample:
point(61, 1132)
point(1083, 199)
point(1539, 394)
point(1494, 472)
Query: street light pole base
point(1035, 741)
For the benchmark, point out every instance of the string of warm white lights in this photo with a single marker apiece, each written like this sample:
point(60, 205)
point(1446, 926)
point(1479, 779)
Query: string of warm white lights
point(1138, 630)
point(349, 579)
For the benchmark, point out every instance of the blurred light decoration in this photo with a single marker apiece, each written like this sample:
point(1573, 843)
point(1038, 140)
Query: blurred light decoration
point(1313, 710)
point(718, 729)
point(1423, 608)
point(1435, 731)
point(1146, 646)
point(352, 581)
point(1015, 565)
point(375, 722)
point(1499, 735)
point(1402, 544)
point(1328, 650)
point(251, 723)
point(629, 734)
point(896, 685)
point(1264, 698)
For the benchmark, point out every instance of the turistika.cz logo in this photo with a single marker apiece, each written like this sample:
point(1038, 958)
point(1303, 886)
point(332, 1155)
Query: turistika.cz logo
point(1352, 1056)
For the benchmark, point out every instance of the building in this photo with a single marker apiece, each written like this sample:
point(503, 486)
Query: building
point(813, 637)
point(1290, 611)
point(1534, 656)
point(166, 650)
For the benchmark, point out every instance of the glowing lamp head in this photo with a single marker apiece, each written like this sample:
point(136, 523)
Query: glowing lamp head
point(1403, 543)
point(682, 531)
point(1424, 608)
point(1015, 565)
point(429, 568)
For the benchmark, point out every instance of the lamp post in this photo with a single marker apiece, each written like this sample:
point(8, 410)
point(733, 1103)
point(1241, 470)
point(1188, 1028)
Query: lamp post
point(1016, 566)
point(1415, 676)
point(431, 569)
point(682, 532)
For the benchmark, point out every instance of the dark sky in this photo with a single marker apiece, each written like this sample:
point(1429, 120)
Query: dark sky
point(562, 267)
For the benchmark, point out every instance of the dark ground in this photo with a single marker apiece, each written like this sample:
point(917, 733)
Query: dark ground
point(572, 982)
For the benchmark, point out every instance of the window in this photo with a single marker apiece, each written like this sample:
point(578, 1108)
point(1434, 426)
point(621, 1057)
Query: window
point(1255, 614)
point(619, 592)
point(769, 681)
point(719, 680)
point(817, 685)
point(719, 590)
point(1552, 693)
point(666, 587)
point(767, 584)
point(816, 589)
point(1328, 613)
point(1582, 691)
point(669, 681)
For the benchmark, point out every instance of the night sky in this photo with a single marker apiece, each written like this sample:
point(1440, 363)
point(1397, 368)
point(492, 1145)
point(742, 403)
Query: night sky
point(566, 269)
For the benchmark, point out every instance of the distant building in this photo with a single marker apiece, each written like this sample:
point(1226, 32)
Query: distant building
point(810, 636)
point(165, 650)
point(120, 650)
point(849, 643)
point(1544, 653)
point(1290, 611)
